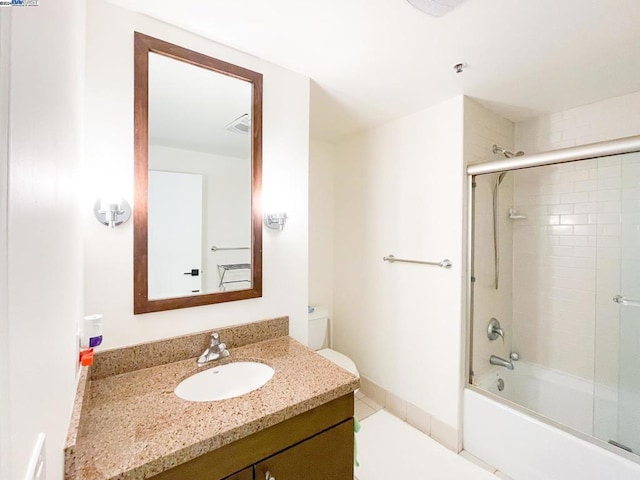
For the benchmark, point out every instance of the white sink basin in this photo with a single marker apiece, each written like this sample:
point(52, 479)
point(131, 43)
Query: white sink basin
point(226, 381)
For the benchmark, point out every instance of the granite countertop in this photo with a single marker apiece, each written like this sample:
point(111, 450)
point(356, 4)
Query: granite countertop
point(133, 426)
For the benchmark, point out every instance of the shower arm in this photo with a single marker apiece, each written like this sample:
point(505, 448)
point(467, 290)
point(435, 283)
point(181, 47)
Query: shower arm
point(507, 154)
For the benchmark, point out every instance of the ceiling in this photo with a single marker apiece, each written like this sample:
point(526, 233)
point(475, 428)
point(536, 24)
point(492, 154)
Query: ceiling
point(190, 106)
point(371, 61)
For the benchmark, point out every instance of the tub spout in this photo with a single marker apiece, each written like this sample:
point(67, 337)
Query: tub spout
point(501, 362)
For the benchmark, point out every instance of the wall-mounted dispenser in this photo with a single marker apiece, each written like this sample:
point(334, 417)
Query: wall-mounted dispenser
point(91, 333)
point(90, 337)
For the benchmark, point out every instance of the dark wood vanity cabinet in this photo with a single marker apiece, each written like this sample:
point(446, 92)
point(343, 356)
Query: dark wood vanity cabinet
point(315, 445)
point(327, 456)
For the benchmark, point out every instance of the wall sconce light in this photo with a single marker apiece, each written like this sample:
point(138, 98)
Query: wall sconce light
point(112, 213)
point(437, 8)
point(275, 221)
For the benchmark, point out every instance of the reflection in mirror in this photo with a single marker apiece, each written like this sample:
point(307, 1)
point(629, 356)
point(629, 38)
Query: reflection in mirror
point(199, 180)
point(198, 171)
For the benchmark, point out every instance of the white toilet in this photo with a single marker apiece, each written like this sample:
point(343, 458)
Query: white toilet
point(319, 340)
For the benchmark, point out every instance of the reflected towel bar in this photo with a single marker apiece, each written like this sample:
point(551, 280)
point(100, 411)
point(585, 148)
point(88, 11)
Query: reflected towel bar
point(215, 249)
point(446, 263)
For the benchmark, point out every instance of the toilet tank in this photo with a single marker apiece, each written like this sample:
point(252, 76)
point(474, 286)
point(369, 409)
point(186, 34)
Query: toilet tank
point(319, 328)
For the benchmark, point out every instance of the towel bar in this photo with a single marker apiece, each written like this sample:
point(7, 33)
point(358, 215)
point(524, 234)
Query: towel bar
point(446, 263)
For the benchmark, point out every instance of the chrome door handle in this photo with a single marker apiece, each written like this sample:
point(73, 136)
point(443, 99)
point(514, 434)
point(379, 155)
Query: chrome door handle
point(626, 301)
point(268, 476)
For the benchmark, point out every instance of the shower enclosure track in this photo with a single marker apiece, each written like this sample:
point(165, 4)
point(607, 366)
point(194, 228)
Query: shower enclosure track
point(583, 152)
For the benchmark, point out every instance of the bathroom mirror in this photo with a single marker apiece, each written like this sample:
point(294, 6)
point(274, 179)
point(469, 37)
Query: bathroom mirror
point(198, 149)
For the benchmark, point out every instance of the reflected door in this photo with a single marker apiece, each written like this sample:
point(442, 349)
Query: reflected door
point(175, 234)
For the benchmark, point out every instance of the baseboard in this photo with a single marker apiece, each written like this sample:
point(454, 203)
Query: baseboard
point(427, 423)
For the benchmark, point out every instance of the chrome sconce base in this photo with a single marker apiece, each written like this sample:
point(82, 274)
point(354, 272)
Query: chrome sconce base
point(112, 214)
point(275, 221)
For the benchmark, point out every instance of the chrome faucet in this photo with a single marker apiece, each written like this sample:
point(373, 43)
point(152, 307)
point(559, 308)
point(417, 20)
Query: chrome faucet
point(216, 351)
point(501, 362)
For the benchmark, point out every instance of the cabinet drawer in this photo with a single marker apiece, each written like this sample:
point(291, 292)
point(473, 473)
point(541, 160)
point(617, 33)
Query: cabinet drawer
point(327, 456)
point(246, 474)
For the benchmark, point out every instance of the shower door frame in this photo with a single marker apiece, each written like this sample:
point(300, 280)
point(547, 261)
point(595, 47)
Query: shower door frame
point(609, 148)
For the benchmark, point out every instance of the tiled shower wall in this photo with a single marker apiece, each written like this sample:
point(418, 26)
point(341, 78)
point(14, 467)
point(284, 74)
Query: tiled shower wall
point(566, 253)
point(570, 246)
point(606, 120)
point(576, 249)
point(483, 129)
point(554, 283)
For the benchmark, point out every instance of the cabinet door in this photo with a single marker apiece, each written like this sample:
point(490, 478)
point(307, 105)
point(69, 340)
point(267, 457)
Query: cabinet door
point(246, 474)
point(326, 456)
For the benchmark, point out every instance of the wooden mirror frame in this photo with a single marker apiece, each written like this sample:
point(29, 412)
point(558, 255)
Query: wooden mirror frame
point(143, 45)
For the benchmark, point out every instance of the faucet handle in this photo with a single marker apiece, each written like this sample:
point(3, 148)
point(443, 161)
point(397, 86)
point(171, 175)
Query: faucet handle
point(494, 330)
point(222, 350)
point(215, 339)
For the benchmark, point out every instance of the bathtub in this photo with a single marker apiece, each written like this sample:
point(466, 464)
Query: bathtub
point(561, 397)
point(524, 446)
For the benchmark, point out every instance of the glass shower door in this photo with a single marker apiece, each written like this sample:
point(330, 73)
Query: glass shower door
point(629, 363)
point(617, 348)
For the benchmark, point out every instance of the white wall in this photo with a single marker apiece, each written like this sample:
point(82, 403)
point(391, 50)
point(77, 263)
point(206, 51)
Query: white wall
point(109, 152)
point(399, 190)
point(322, 170)
point(45, 284)
point(5, 50)
point(226, 208)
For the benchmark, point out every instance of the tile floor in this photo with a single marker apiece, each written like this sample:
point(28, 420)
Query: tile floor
point(389, 448)
point(364, 406)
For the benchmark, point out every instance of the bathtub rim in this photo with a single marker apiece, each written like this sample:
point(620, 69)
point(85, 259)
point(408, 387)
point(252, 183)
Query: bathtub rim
point(552, 423)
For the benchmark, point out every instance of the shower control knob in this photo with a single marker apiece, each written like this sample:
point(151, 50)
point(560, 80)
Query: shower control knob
point(494, 330)
point(514, 356)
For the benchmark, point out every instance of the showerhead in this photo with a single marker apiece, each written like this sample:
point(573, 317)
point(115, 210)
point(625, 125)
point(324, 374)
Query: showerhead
point(505, 152)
